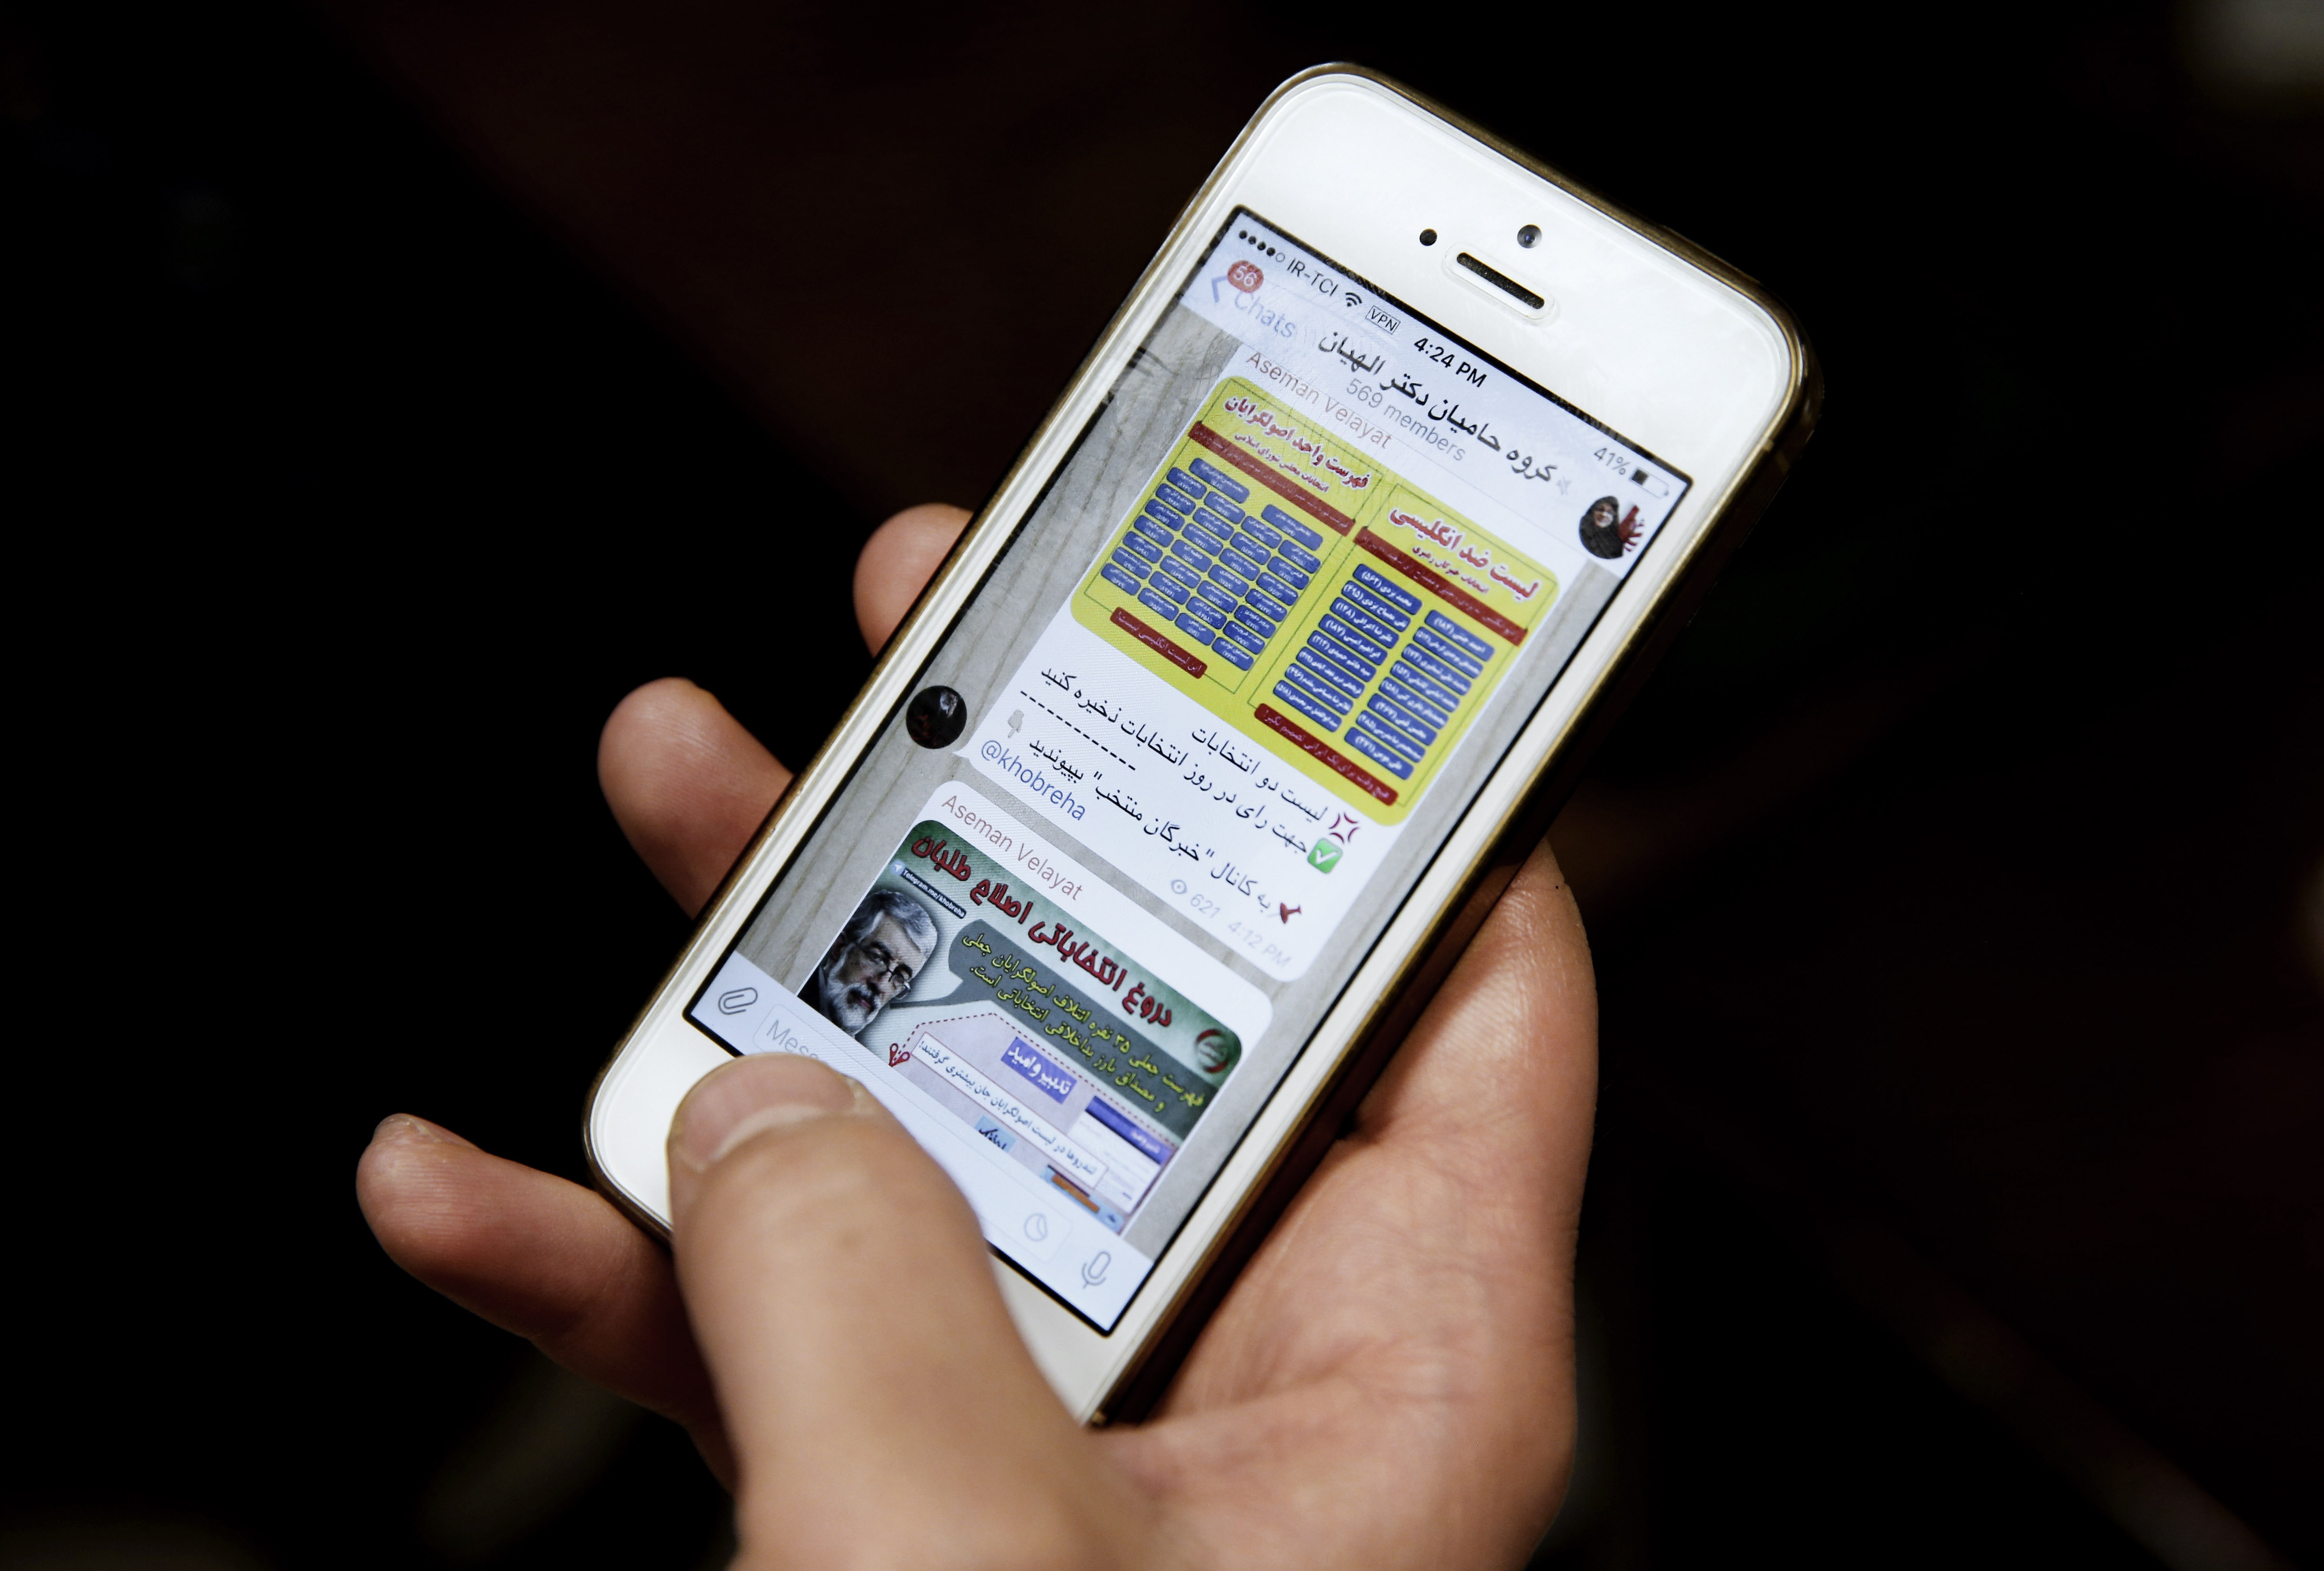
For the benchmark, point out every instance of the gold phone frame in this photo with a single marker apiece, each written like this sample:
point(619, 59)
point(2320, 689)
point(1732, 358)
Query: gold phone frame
point(1544, 779)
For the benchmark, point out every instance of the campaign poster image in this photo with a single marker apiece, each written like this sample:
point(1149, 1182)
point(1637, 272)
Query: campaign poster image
point(1052, 1041)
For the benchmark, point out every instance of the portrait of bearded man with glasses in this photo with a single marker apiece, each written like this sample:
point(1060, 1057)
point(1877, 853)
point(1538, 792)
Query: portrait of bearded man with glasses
point(873, 960)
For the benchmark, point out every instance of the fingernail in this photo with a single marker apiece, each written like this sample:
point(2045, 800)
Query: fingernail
point(404, 1126)
point(751, 1096)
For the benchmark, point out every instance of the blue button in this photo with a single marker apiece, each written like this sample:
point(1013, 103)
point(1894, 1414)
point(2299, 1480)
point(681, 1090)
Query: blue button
point(1435, 692)
point(1412, 724)
point(1378, 753)
point(1443, 650)
point(1459, 635)
point(1176, 592)
point(1331, 676)
point(1435, 667)
point(1153, 602)
point(1173, 568)
point(1186, 482)
point(1356, 665)
point(1218, 504)
point(1307, 706)
point(1231, 655)
point(1250, 546)
point(1214, 544)
point(1212, 522)
point(1243, 636)
point(1388, 589)
point(1318, 691)
point(1372, 653)
point(1256, 622)
point(1381, 731)
point(1195, 630)
point(1216, 596)
point(1278, 588)
point(1141, 548)
point(1185, 552)
point(1239, 563)
point(1119, 579)
point(1232, 580)
point(1412, 701)
point(1152, 531)
point(1263, 602)
point(1172, 498)
point(1288, 574)
point(1292, 527)
point(1364, 622)
point(1261, 533)
point(1162, 517)
point(1210, 616)
point(1376, 606)
point(1129, 564)
point(1299, 558)
point(1233, 488)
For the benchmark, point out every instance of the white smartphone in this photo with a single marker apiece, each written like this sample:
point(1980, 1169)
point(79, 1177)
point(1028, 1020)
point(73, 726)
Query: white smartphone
point(1218, 733)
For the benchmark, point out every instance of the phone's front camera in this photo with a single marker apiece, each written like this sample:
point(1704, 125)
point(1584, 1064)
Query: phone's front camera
point(1428, 238)
point(935, 717)
point(1529, 236)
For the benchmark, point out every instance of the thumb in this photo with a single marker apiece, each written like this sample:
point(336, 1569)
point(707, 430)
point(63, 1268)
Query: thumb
point(883, 1409)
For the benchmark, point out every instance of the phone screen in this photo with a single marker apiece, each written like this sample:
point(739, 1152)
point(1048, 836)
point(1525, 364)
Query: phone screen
point(1290, 600)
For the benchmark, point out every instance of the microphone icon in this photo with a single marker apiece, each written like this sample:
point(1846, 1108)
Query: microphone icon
point(1094, 1270)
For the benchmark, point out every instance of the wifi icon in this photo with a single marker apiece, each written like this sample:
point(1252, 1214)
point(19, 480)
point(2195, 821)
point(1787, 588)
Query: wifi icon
point(1354, 298)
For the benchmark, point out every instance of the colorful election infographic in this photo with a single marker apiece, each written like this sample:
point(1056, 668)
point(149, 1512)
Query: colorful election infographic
point(1317, 600)
point(1254, 685)
point(1056, 1042)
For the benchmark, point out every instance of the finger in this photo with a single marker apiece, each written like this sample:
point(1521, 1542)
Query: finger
point(880, 1402)
point(543, 1258)
point(687, 783)
point(689, 786)
point(898, 561)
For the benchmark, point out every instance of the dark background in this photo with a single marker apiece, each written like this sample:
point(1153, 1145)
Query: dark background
point(392, 386)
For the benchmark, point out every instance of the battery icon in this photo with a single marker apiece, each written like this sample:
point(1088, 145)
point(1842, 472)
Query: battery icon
point(1650, 482)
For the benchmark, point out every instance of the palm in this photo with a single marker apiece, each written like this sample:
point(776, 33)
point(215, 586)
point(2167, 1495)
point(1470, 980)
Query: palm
point(1405, 1333)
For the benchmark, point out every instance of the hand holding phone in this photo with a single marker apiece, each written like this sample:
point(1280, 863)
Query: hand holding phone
point(1188, 780)
point(1388, 1382)
point(1207, 749)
